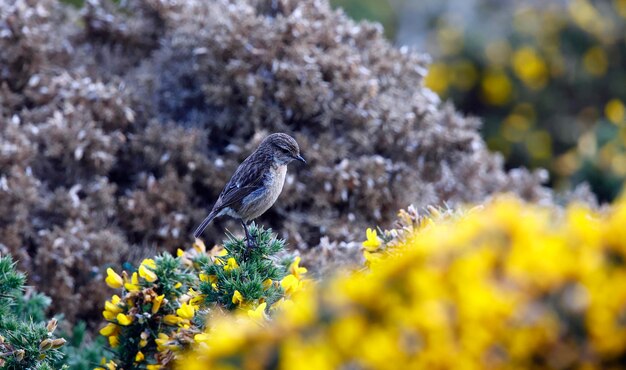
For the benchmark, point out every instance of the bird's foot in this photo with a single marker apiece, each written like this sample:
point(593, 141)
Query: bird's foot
point(251, 244)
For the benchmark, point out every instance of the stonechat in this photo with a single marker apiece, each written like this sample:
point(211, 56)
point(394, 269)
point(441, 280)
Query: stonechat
point(256, 184)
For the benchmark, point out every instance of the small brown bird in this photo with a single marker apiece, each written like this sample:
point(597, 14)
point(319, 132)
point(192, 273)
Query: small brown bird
point(256, 184)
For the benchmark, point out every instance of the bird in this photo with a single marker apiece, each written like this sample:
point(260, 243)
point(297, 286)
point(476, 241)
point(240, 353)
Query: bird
point(256, 184)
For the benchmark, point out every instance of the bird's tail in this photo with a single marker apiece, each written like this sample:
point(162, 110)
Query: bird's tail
point(203, 225)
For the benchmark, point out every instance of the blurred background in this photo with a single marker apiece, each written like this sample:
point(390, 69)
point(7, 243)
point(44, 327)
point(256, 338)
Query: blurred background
point(546, 77)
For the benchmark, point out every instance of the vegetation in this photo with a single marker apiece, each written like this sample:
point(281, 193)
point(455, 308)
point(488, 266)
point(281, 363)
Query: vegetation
point(120, 122)
point(165, 304)
point(26, 340)
point(506, 285)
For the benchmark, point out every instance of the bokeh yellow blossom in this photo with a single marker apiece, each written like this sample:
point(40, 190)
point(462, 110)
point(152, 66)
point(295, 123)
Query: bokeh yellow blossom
point(290, 284)
point(562, 58)
point(258, 313)
point(615, 111)
point(530, 67)
point(496, 87)
point(505, 286)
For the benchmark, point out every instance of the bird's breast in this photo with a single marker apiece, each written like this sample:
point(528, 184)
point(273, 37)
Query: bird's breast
point(275, 181)
point(261, 200)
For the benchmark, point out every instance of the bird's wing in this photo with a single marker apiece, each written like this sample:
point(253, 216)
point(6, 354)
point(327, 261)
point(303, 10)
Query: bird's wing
point(247, 178)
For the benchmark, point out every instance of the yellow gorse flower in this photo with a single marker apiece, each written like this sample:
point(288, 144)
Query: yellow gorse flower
point(161, 342)
point(146, 270)
point(197, 300)
point(172, 319)
point(295, 268)
point(237, 298)
point(139, 357)
point(290, 284)
point(202, 338)
point(258, 313)
point(372, 242)
point(124, 320)
point(199, 246)
point(496, 87)
point(113, 280)
point(112, 308)
point(231, 264)
point(133, 284)
point(186, 311)
point(156, 304)
point(107, 365)
point(144, 339)
point(221, 253)
point(111, 365)
point(114, 341)
point(281, 303)
point(109, 329)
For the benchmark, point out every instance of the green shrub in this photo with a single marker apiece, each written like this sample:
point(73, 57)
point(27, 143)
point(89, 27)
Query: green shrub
point(168, 300)
point(26, 341)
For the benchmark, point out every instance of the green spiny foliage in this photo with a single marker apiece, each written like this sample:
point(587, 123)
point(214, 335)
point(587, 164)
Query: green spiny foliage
point(26, 342)
point(171, 274)
point(256, 266)
point(11, 282)
point(80, 353)
point(32, 305)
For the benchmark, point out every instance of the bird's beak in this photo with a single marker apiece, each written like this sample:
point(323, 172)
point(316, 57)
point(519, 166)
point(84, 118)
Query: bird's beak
point(299, 157)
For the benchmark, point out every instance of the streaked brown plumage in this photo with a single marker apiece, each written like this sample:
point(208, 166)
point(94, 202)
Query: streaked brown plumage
point(256, 184)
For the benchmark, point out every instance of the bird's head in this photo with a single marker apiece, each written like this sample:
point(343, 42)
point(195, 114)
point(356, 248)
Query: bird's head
point(283, 147)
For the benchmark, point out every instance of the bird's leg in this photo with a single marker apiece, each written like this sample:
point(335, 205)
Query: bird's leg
point(250, 242)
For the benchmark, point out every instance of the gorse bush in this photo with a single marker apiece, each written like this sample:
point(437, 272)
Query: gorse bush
point(82, 351)
point(26, 341)
point(507, 286)
point(168, 302)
